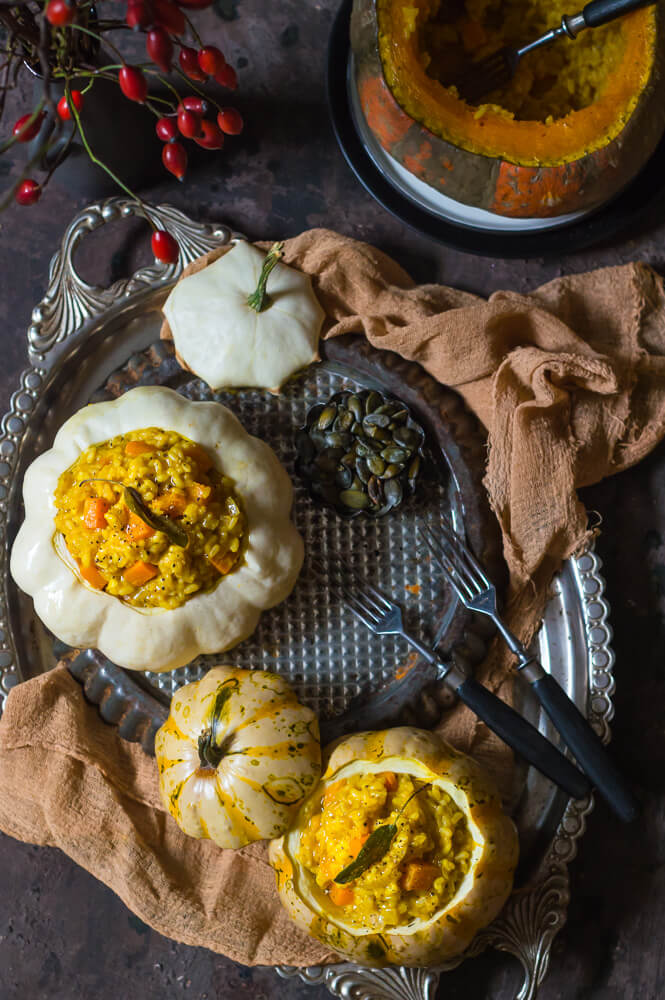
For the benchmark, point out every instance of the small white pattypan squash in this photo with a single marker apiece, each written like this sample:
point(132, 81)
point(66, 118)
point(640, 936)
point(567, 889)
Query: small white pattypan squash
point(236, 756)
point(231, 330)
point(143, 574)
point(402, 852)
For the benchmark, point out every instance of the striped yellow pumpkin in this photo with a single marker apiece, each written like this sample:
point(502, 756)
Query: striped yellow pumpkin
point(237, 756)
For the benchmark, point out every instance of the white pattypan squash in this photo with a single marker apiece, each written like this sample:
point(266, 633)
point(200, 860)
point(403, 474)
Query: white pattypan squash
point(336, 917)
point(209, 621)
point(228, 342)
point(236, 756)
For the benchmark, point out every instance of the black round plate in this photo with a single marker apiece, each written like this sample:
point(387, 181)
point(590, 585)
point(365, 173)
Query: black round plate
point(638, 205)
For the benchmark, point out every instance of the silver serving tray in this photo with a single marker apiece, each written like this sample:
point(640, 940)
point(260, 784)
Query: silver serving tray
point(83, 338)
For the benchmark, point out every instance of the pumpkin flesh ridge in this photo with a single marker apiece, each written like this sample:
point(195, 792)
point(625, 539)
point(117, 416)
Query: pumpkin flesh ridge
point(491, 130)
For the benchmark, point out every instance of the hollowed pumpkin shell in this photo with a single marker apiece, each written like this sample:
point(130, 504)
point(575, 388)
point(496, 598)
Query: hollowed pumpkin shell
point(481, 894)
point(512, 168)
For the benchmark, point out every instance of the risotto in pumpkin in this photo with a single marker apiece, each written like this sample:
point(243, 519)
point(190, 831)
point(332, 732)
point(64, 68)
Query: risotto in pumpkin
point(117, 550)
point(423, 867)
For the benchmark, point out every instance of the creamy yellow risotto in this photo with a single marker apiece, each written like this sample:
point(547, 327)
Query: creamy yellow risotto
point(117, 550)
point(424, 866)
point(549, 82)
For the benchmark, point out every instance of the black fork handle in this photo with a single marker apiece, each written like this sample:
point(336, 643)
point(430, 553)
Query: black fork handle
point(601, 11)
point(587, 747)
point(523, 738)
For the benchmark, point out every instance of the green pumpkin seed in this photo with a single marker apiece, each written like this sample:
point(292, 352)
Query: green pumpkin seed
point(414, 468)
point(386, 408)
point(362, 470)
point(326, 417)
point(357, 483)
point(407, 437)
point(375, 420)
point(354, 499)
point(345, 420)
point(375, 491)
point(376, 464)
point(392, 470)
point(356, 407)
point(399, 416)
point(394, 454)
point(377, 433)
point(343, 477)
point(349, 460)
point(372, 401)
point(393, 492)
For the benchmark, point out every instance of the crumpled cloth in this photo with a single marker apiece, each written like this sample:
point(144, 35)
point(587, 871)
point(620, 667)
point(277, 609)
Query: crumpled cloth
point(569, 382)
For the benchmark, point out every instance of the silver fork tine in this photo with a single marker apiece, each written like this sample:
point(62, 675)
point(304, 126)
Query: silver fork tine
point(378, 596)
point(369, 619)
point(447, 567)
point(465, 555)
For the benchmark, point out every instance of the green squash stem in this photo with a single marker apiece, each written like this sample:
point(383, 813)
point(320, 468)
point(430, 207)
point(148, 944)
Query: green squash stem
point(259, 299)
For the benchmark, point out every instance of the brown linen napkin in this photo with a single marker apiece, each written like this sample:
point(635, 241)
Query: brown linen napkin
point(569, 383)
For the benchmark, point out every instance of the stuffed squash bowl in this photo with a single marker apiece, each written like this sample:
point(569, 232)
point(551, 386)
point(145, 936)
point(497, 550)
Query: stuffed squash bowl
point(401, 854)
point(155, 529)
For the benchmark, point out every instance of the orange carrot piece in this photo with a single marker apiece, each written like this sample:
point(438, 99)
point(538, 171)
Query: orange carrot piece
point(200, 456)
point(94, 510)
point(356, 843)
point(224, 564)
point(140, 573)
point(134, 448)
point(92, 576)
point(341, 895)
point(172, 504)
point(418, 876)
point(137, 529)
point(199, 493)
point(390, 781)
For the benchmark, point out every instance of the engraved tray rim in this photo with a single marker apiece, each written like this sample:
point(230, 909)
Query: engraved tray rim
point(534, 914)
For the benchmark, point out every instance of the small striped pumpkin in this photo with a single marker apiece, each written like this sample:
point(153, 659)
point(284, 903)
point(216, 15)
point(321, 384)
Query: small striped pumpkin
point(237, 755)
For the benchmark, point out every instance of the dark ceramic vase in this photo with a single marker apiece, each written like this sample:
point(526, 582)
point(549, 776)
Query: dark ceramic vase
point(120, 132)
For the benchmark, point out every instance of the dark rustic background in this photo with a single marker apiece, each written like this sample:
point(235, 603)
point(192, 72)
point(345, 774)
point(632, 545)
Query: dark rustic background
point(62, 934)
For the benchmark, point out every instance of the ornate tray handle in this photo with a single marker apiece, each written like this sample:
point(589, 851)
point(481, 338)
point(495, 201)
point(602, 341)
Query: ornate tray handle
point(70, 301)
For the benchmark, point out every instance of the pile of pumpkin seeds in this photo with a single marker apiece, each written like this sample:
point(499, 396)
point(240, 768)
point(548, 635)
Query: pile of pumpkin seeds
point(360, 452)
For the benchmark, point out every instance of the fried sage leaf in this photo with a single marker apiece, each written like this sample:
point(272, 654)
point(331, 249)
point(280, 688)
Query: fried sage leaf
point(376, 846)
point(135, 502)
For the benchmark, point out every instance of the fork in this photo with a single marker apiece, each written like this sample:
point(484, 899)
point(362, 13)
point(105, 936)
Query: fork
point(498, 68)
point(383, 616)
point(467, 577)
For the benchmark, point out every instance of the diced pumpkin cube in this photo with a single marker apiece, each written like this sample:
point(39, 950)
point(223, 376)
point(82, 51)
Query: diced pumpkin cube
point(141, 572)
point(419, 875)
point(172, 503)
point(390, 781)
point(341, 895)
point(200, 456)
point(94, 510)
point(356, 843)
point(199, 492)
point(92, 576)
point(223, 564)
point(134, 448)
point(137, 529)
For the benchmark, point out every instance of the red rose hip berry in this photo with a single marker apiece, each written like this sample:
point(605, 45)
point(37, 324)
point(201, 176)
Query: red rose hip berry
point(189, 124)
point(138, 15)
point(211, 136)
point(189, 64)
point(164, 247)
point(133, 84)
point(28, 192)
point(174, 158)
point(230, 121)
point(24, 132)
point(169, 16)
point(160, 48)
point(64, 111)
point(60, 12)
point(227, 77)
point(166, 129)
point(211, 60)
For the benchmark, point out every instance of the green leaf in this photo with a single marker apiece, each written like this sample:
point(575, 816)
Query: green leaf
point(375, 847)
point(138, 506)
